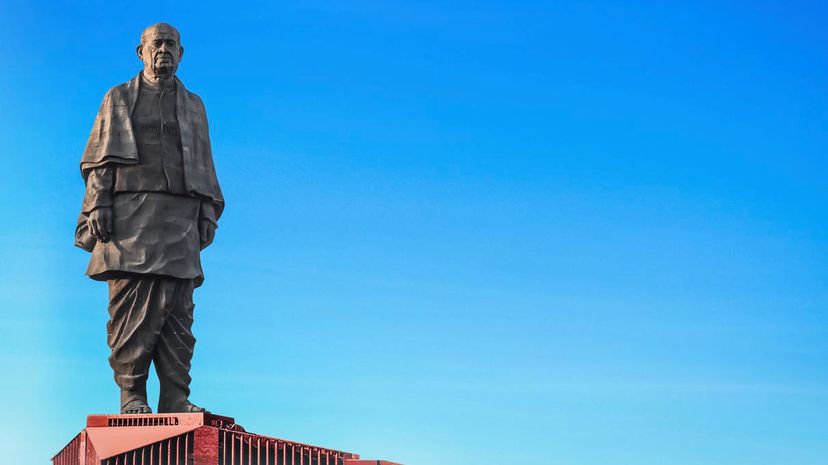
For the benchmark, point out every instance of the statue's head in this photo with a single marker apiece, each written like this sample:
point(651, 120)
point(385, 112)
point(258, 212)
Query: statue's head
point(160, 50)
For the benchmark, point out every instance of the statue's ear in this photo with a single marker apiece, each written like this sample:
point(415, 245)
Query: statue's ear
point(139, 50)
point(180, 52)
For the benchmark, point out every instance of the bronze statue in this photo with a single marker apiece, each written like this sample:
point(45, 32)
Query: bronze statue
point(152, 203)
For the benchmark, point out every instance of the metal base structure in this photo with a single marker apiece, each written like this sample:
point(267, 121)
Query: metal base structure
point(189, 439)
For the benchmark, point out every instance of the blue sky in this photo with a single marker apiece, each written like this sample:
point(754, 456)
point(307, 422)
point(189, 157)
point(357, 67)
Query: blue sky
point(547, 233)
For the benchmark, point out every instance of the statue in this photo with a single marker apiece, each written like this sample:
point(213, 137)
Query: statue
point(152, 203)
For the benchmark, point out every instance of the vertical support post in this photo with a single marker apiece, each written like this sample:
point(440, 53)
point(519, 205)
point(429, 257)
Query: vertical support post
point(205, 446)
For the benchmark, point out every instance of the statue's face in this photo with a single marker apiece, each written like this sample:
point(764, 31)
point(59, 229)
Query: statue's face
point(160, 51)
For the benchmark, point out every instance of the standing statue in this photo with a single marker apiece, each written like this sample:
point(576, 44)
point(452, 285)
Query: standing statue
point(152, 203)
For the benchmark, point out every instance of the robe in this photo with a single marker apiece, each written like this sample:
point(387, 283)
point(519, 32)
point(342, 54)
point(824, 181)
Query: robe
point(154, 232)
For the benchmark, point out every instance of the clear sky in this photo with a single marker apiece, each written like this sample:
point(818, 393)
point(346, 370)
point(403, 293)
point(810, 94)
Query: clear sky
point(575, 233)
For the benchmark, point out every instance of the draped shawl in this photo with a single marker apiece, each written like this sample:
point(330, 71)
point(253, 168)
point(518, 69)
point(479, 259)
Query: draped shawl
point(112, 140)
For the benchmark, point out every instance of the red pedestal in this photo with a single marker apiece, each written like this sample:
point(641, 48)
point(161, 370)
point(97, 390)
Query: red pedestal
point(189, 439)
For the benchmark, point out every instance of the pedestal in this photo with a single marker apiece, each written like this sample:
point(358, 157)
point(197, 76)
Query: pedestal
point(189, 439)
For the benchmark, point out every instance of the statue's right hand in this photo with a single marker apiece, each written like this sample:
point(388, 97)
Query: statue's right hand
point(100, 223)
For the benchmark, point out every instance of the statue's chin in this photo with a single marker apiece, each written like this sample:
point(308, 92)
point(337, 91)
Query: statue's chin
point(163, 71)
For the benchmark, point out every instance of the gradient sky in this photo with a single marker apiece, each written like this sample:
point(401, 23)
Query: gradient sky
point(490, 232)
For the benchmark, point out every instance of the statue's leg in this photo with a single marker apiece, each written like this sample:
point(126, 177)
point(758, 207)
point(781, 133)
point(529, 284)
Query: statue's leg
point(174, 351)
point(136, 314)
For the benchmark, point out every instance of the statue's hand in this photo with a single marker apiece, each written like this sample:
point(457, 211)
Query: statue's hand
point(206, 232)
point(100, 223)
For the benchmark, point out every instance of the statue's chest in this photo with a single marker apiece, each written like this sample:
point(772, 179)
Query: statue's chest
point(154, 118)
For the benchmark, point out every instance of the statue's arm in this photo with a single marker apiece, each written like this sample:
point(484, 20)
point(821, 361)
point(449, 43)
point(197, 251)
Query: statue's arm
point(208, 214)
point(99, 188)
point(97, 202)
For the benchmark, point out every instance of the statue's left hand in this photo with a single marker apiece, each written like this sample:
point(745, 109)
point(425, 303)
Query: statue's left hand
point(206, 232)
point(100, 223)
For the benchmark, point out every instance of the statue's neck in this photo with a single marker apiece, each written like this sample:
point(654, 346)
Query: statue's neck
point(158, 82)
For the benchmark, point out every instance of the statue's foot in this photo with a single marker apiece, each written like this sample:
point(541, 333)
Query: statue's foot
point(189, 407)
point(136, 406)
point(183, 407)
point(134, 401)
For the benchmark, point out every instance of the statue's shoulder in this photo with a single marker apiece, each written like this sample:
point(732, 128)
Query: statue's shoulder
point(191, 97)
point(121, 88)
point(195, 99)
point(117, 95)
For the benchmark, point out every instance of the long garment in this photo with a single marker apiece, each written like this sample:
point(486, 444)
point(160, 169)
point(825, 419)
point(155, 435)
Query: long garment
point(146, 139)
point(155, 224)
point(151, 319)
